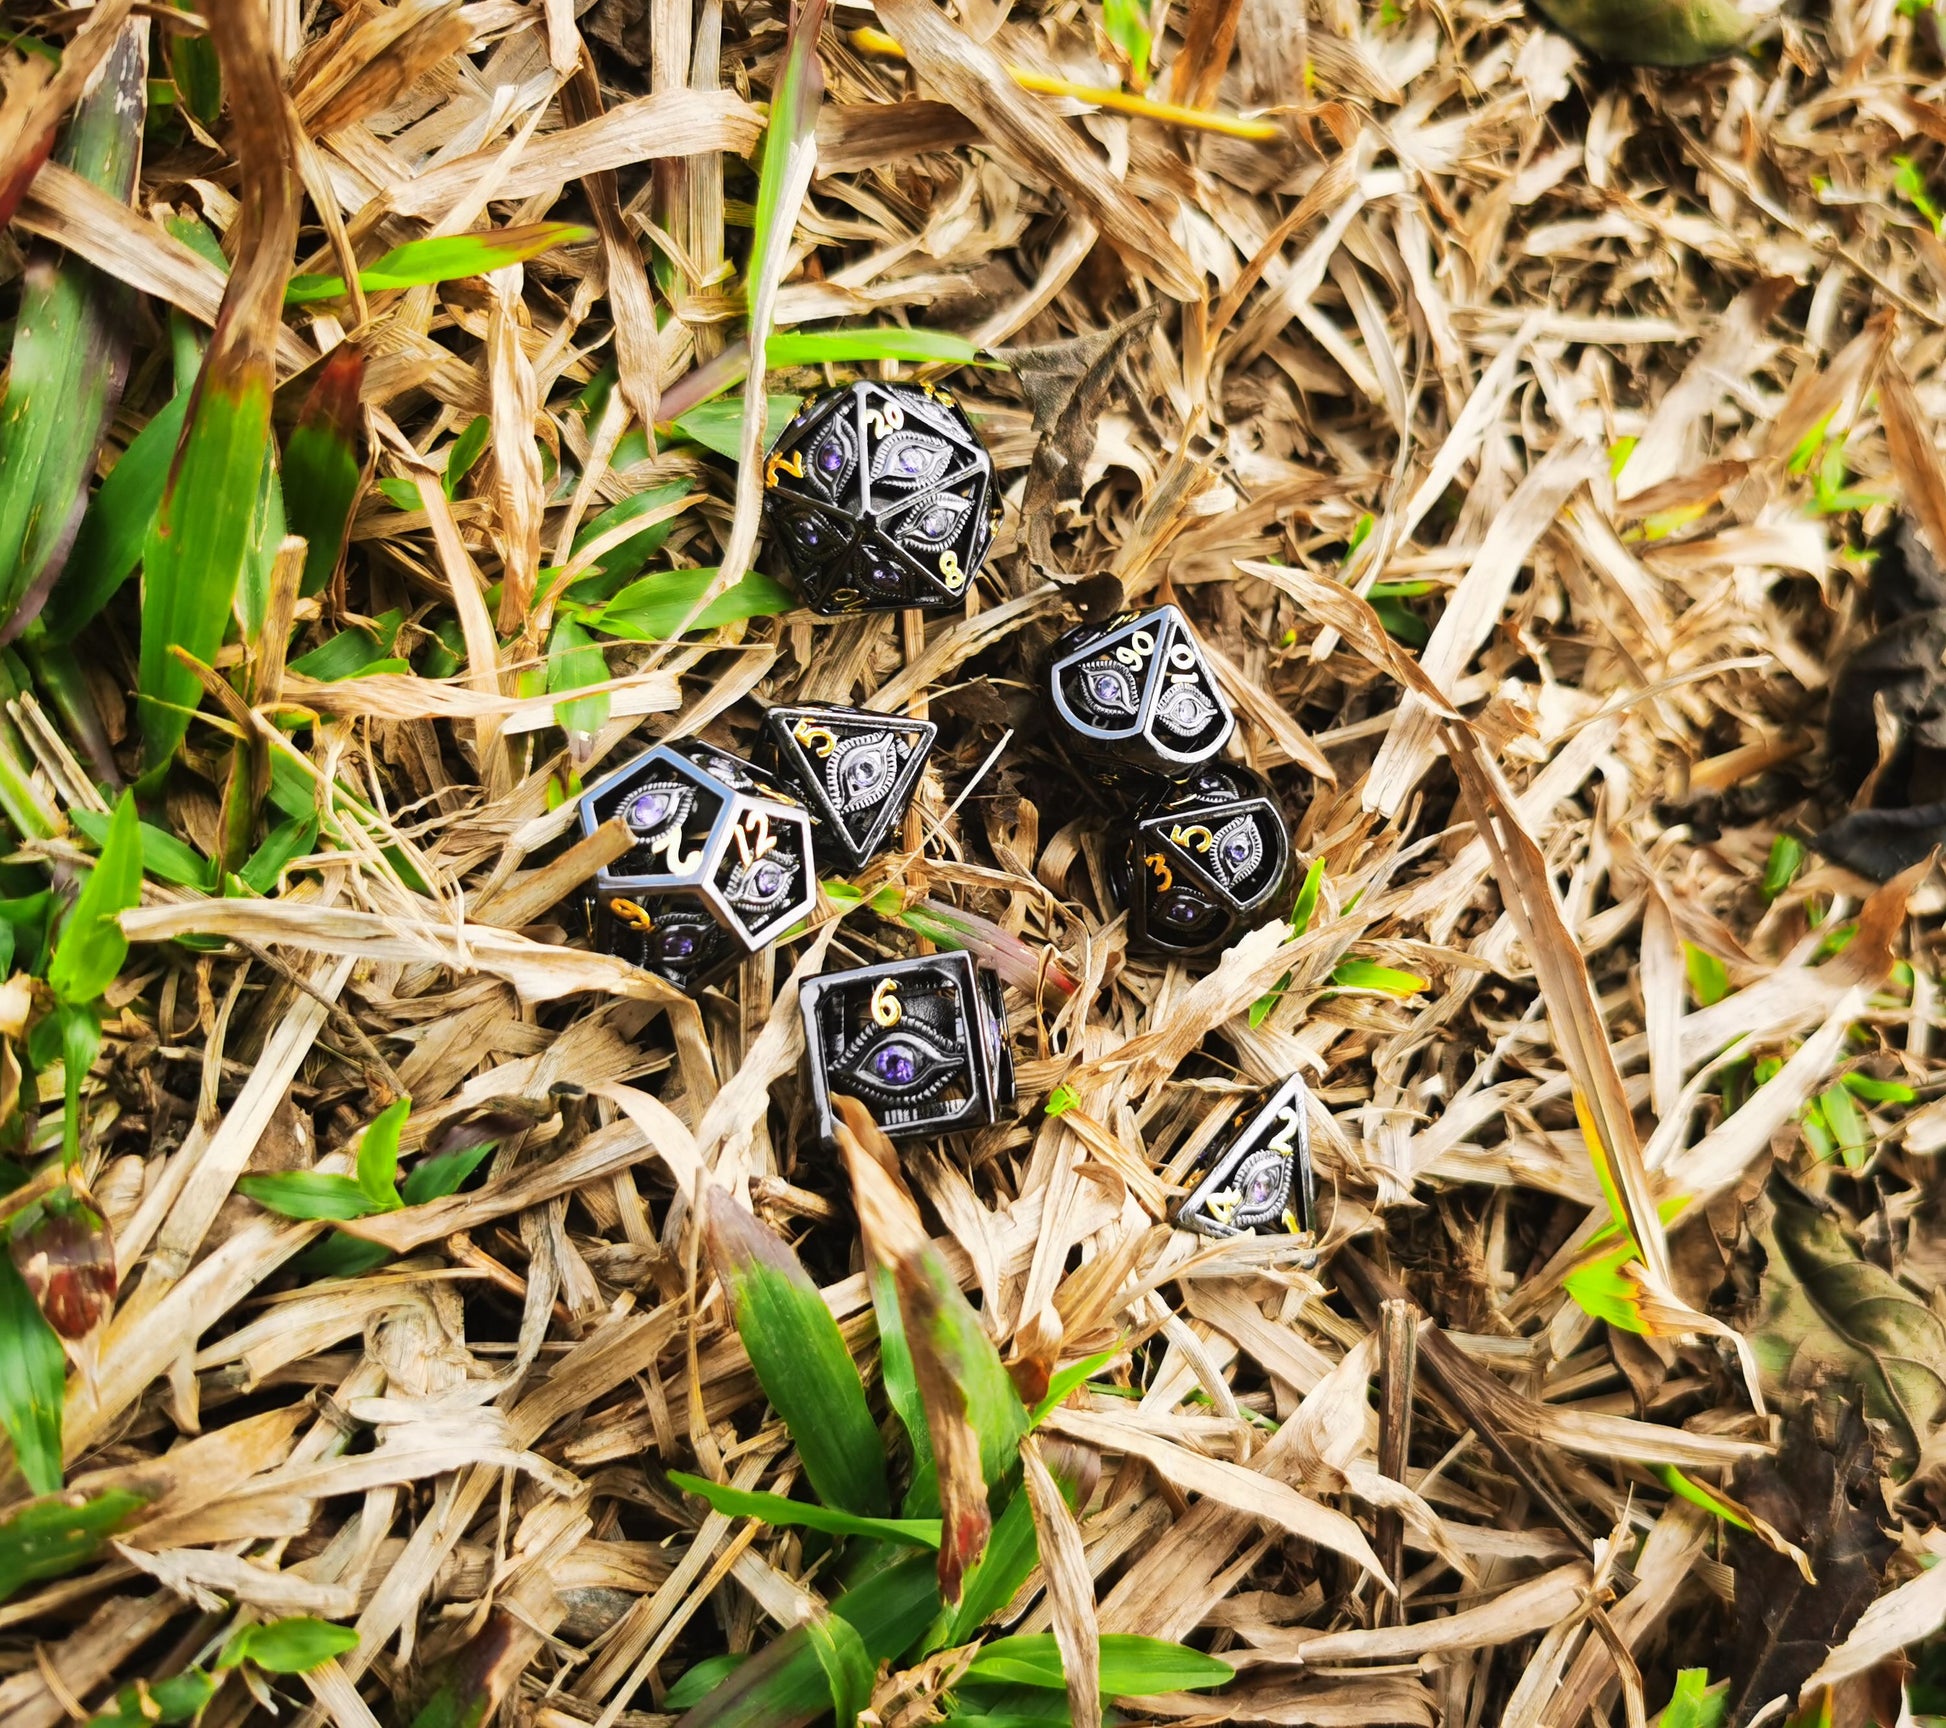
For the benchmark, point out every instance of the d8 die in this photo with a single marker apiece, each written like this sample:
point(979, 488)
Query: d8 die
point(721, 863)
point(881, 496)
point(921, 1043)
point(1258, 1178)
point(1135, 699)
point(855, 770)
point(1201, 862)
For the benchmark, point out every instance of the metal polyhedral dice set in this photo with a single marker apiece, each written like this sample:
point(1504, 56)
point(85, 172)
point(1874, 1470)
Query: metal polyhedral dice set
point(881, 496)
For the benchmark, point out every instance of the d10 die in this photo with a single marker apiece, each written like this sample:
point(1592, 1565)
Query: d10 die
point(1202, 861)
point(855, 771)
point(881, 496)
point(921, 1043)
point(1259, 1178)
point(721, 863)
point(1136, 699)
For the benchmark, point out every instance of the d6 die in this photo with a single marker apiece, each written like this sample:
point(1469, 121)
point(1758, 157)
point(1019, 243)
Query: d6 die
point(855, 770)
point(881, 496)
point(1135, 699)
point(1202, 861)
point(1258, 1178)
point(721, 863)
point(921, 1043)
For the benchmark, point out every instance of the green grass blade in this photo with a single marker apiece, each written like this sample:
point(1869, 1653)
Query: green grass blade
point(893, 342)
point(92, 947)
point(625, 559)
point(50, 1538)
point(655, 607)
point(444, 258)
point(354, 652)
point(309, 1194)
point(116, 526)
point(801, 1361)
point(70, 355)
point(33, 1382)
point(1131, 1666)
point(574, 661)
point(784, 1685)
point(1012, 1552)
point(779, 1510)
point(321, 467)
point(848, 1667)
point(293, 1646)
point(718, 426)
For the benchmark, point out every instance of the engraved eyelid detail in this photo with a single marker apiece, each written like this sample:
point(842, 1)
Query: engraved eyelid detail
point(911, 458)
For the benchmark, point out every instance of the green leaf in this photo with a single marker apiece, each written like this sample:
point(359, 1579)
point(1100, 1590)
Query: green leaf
point(1131, 1666)
point(294, 837)
point(1126, 24)
point(444, 1173)
point(119, 517)
point(354, 653)
point(786, 1682)
point(80, 1029)
point(52, 1537)
point(1060, 1384)
point(848, 1667)
point(1013, 1550)
point(195, 552)
point(198, 78)
point(695, 1683)
point(1695, 1703)
point(1062, 1099)
point(889, 342)
point(1841, 1116)
point(321, 466)
point(1709, 982)
point(309, 1194)
point(91, 946)
point(1698, 1494)
point(902, 1393)
point(1876, 1091)
point(718, 425)
point(176, 1699)
point(1604, 1292)
point(1368, 975)
point(378, 1156)
point(70, 348)
point(33, 1382)
point(574, 661)
point(649, 609)
point(779, 1510)
point(801, 1362)
point(625, 559)
point(443, 259)
point(461, 455)
point(163, 856)
point(400, 494)
point(1302, 912)
point(293, 1646)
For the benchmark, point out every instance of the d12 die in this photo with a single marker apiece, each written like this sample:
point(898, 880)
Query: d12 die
point(1202, 861)
point(921, 1043)
point(855, 770)
point(1259, 1177)
point(1136, 699)
point(881, 496)
point(720, 865)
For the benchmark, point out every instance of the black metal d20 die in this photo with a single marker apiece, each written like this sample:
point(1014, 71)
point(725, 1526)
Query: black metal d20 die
point(1200, 862)
point(721, 863)
point(856, 771)
point(881, 496)
point(921, 1043)
point(1136, 698)
point(1259, 1177)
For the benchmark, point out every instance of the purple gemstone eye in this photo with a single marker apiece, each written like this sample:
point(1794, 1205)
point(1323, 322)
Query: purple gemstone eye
point(831, 458)
point(1107, 689)
point(767, 880)
point(1236, 848)
point(650, 810)
point(912, 459)
point(894, 1064)
point(1182, 911)
point(936, 524)
point(809, 534)
point(678, 944)
point(1262, 1187)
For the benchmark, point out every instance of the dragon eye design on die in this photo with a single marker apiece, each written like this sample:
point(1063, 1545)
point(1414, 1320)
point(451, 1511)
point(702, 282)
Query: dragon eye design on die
point(899, 1065)
point(911, 459)
point(1110, 690)
point(1184, 709)
point(860, 771)
point(1260, 1191)
point(1237, 850)
point(832, 456)
point(762, 885)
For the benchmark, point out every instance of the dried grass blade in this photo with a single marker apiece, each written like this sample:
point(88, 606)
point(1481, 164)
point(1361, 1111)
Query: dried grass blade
point(1915, 456)
point(1527, 892)
point(35, 102)
point(1070, 1587)
point(975, 80)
